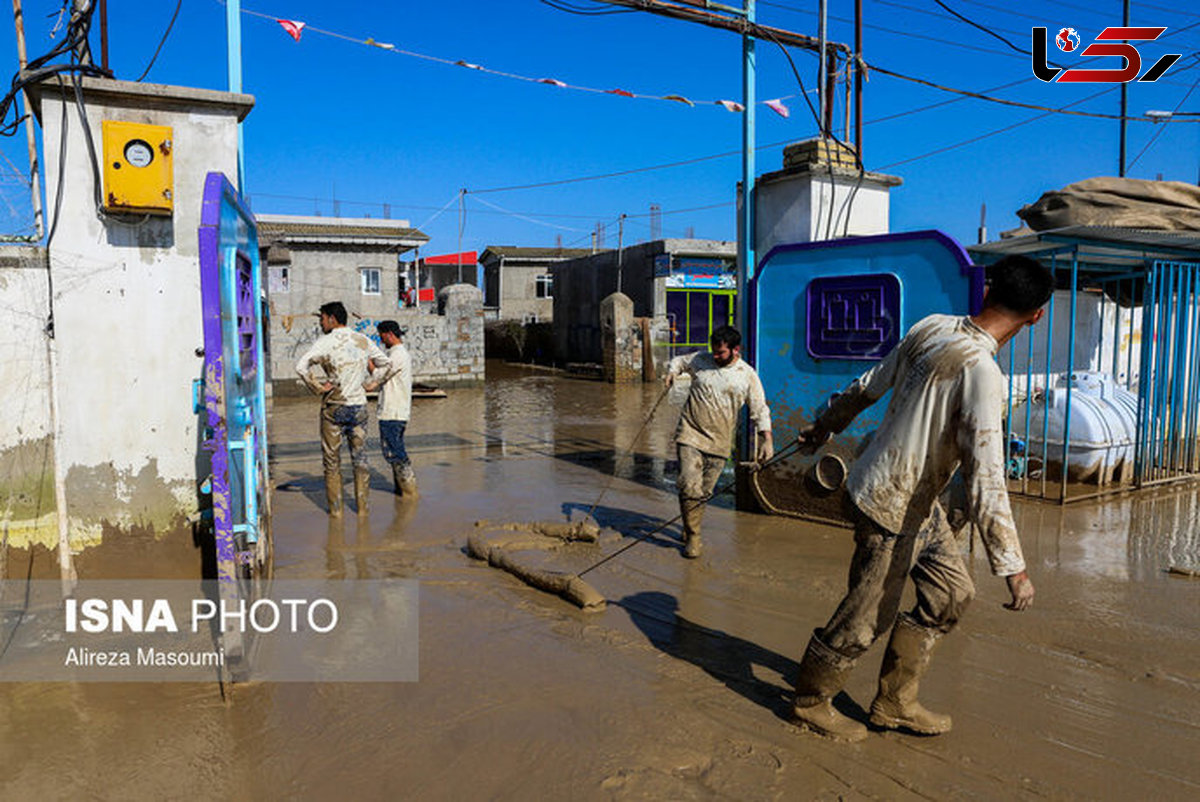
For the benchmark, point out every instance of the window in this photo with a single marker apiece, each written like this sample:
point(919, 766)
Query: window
point(277, 280)
point(370, 280)
point(545, 286)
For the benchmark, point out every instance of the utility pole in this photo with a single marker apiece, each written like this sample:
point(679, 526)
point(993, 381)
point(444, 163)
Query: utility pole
point(743, 21)
point(462, 222)
point(35, 182)
point(655, 222)
point(104, 34)
point(233, 33)
point(620, 248)
point(1124, 108)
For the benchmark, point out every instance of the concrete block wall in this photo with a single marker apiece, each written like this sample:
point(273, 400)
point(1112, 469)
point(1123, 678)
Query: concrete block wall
point(622, 340)
point(446, 348)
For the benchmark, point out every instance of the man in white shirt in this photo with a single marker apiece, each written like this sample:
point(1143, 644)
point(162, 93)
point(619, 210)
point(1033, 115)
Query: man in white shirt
point(395, 405)
point(721, 383)
point(343, 355)
point(945, 414)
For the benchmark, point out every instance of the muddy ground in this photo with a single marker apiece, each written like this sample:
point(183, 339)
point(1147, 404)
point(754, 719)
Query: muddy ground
point(678, 690)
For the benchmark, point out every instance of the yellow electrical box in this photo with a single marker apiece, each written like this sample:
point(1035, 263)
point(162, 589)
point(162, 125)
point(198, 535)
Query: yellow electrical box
point(138, 168)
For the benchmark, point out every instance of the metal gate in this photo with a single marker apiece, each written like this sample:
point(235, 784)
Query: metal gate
point(1169, 387)
point(234, 395)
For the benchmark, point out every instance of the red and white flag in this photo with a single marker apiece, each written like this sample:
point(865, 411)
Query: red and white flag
point(732, 105)
point(551, 81)
point(293, 27)
point(778, 107)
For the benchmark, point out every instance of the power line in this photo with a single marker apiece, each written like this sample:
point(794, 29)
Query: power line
point(1160, 131)
point(161, 42)
point(989, 133)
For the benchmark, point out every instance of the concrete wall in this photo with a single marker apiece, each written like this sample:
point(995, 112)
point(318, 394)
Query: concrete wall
point(317, 274)
point(581, 284)
point(518, 293)
point(818, 204)
point(26, 438)
point(446, 348)
point(127, 310)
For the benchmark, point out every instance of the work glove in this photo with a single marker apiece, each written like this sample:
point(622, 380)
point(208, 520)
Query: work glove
point(812, 437)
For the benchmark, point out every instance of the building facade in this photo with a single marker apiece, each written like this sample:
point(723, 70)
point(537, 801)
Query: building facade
point(518, 284)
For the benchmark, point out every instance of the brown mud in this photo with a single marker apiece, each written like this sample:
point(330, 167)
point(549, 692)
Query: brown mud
point(679, 689)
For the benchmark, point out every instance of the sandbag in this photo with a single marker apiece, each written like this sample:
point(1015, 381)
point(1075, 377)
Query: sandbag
point(1117, 203)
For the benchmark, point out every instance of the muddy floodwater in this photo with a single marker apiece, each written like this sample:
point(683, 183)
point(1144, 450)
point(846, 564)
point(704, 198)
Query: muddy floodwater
point(679, 688)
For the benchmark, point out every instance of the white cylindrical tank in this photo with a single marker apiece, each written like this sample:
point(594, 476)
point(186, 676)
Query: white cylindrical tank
point(1103, 423)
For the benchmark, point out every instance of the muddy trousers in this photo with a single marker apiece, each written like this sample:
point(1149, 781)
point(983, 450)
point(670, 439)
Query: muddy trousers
point(349, 421)
point(698, 475)
point(882, 563)
point(391, 437)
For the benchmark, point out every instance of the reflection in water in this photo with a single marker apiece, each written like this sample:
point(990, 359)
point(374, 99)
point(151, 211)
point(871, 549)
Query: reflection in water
point(1136, 536)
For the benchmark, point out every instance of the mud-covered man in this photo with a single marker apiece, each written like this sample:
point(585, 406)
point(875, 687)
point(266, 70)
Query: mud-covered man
point(945, 414)
point(395, 405)
point(721, 383)
point(347, 359)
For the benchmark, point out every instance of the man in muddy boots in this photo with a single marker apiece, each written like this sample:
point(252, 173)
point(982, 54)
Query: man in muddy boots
point(395, 404)
point(721, 383)
point(945, 414)
point(343, 354)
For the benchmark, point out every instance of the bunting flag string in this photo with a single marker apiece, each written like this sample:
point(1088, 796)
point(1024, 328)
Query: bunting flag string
point(294, 29)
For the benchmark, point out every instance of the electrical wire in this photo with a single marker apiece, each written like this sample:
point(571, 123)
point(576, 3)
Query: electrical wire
point(983, 28)
point(989, 133)
point(161, 42)
point(1162, 128)
point(562, 5)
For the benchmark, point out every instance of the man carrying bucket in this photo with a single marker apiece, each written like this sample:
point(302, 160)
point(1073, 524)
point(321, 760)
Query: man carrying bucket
point(945, 414)
point(721, 384)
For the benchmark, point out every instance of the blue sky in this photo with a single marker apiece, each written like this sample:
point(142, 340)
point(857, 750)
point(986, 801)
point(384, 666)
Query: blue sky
point(335, 118)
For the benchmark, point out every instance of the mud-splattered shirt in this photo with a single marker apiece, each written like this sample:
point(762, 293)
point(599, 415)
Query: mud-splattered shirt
point(710, 414)
point(946, 411)
point(395, 389)
point(343, 355)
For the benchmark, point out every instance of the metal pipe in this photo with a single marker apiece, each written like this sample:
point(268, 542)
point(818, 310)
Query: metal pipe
point(1140, 448)
point(1028, 404)
point(858, 82)
point(104, 34)
point(1070, 372)
point(1046, 383)
point(822, 64)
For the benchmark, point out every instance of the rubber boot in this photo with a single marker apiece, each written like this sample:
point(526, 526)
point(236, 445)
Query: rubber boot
point(692, 513)
point(905, 661)
point(362, 481)
point(823, 672)
point(333, 492)
point(406, 481)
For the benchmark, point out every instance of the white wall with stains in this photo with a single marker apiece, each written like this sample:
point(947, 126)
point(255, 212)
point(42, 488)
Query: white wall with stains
point(127, 308)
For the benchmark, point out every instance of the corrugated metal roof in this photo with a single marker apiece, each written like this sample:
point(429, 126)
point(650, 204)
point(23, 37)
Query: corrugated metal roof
point(273, 230)
point(1099, 248)
point(514, 252)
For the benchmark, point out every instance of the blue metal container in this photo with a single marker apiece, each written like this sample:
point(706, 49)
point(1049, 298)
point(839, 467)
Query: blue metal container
point(822, 313)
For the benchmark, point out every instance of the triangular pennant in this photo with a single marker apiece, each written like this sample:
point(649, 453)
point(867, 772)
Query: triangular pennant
point(468, 65)
point(620, 92)
point(679, 99)
point(293, 27)
point(383, 45)
point(778, 107)
point(731, 105)
point(551, 81)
